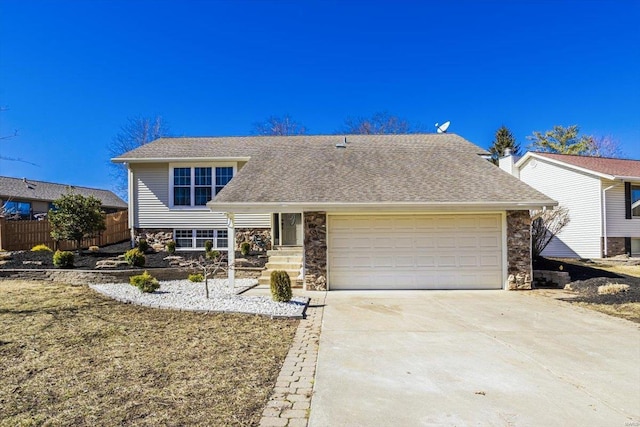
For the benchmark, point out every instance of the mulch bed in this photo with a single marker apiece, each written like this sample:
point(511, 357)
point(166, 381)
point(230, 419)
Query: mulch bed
point(586, 279)
point(87, 260)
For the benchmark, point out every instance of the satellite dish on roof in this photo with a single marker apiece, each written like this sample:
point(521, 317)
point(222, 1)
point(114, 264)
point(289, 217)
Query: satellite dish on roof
point(443, 127)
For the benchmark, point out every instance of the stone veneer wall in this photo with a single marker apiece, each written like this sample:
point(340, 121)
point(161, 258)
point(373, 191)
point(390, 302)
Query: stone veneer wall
point(158, 237)
point(519, 266)
point(315, 251)
point(616, 246)
point(248, 234)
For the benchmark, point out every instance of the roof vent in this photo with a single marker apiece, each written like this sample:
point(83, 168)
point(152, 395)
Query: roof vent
point(342, 144)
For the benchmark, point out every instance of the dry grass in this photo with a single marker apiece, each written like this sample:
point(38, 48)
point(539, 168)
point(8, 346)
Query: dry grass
point(629, 311)
point(69, 356)
point(612, 289)
point(629, 270)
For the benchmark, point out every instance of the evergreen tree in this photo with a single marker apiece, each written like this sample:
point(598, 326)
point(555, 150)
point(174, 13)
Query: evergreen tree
point(75, 217)
point(504, 139)
point(562, 140)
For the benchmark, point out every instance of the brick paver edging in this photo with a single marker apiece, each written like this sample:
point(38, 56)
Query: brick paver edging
point(290, 402)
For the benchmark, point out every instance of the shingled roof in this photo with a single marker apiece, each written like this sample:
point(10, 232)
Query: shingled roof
point(615, 168)
point(27, 189)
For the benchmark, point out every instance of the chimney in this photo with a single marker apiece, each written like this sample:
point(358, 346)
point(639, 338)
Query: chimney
point(507, 163)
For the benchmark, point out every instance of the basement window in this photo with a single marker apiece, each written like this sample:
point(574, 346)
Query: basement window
point(195, 239)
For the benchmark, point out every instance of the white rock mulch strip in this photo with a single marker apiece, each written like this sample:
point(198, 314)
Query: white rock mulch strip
point(188, 296)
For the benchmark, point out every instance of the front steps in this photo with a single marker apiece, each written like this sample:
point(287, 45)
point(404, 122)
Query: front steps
point(287, 258)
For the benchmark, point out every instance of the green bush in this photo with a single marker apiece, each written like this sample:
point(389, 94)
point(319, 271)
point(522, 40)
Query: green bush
point(280, 286)
point(171, 246)
point(245, 247)
point(135, 257)
point(63, 259)
point(208, 245)
point(145, 282)
point(196, 278)
point(213, 254)
point(41, 248)
point(143, 245)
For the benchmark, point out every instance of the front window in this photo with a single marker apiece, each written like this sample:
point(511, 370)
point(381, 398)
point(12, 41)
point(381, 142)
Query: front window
point(182, 186)
point(635, 200)
point(23, 209)
point(195, 239)
point(197, 185)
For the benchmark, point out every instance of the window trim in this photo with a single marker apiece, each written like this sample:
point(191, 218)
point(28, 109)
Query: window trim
point(213, 165)
point(17, 204)
point(194, 239)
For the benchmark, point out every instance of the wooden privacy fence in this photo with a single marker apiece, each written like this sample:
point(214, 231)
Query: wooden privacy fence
point(23, 235)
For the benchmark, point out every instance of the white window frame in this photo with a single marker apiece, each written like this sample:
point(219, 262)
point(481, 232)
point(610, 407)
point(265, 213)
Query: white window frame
point(636, 187)
point(195, 238)
point(193, 166)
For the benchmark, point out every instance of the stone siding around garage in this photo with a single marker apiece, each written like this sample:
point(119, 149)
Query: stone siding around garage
point(159, 237)
point(315, 251)
point(519, 266)
point(616, 246)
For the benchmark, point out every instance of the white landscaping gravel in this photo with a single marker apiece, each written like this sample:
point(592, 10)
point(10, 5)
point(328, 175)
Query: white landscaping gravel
point(188, 296)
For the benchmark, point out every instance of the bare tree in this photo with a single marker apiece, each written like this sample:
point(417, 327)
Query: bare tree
point(604, 146)
point(133, 134)
point(209, 264)
point(7, 137)
point(378, 123)
point(279, 126)
point(545, 226)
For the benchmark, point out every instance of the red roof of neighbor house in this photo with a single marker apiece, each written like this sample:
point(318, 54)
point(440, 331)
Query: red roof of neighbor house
point(603, 165)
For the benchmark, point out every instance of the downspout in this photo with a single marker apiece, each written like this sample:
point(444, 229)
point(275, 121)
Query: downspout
point(604, 217)
point(131, 204)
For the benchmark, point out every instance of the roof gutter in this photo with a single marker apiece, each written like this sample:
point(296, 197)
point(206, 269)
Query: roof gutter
point(286, 207)
point(180, 159)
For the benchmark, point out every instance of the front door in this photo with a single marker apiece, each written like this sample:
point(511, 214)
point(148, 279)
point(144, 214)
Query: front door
point(291, 224)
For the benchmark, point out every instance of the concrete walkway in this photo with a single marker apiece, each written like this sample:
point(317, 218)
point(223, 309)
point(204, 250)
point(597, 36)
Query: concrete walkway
point(408, 358)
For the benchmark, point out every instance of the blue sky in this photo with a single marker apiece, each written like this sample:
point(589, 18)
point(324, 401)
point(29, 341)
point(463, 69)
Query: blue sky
point(72, 72)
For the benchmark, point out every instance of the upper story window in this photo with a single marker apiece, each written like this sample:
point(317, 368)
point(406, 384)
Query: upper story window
point(21, 209)
point(195, 186)
point(635, 200)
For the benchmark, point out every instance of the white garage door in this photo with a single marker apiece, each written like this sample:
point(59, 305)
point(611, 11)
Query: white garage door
point(415, 252)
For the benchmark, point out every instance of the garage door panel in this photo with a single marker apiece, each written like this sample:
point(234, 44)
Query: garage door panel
point(415, 252)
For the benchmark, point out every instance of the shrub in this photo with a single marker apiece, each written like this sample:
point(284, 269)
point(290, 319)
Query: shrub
point(245, 247)
point(213, 254)
point(171, 246)
point(63, 259)
point(135, 257)
point(41, 248)
point(143, 245)
point(208, 245)
point(94, 249)
point(145, 282)
point(196, 278)
point(280, 286)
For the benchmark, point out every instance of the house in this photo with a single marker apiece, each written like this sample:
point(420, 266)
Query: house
point(421, 211)
point(602, 196)
point(31, 199)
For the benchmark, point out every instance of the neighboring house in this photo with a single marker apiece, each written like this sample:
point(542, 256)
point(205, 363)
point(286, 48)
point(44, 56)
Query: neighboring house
point(31, 199)
point(368, 211)
point(601, 194)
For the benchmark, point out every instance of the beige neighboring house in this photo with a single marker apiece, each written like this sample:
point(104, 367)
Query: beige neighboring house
point(601, 194)
point(421, 211)
point(32, 199)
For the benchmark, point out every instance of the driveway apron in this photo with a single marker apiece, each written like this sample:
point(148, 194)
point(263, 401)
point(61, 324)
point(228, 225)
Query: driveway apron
point(477, 358)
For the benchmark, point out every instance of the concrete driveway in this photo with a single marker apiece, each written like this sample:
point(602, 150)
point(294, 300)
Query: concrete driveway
point(481, 358)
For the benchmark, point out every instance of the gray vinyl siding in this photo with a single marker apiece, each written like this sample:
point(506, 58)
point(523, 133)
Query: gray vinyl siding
point(581, 194)
point(151, 205)
point(617, 224)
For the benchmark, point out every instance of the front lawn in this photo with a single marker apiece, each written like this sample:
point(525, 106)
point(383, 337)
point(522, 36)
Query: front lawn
point(69, 356)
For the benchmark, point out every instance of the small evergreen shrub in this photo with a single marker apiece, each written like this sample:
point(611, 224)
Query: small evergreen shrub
point(245, 247)
point(41, 248)
point(213, 254)
point(94, 249)
point(143, 245)
point(145, 282)
point(208, 245)
point(63, 259)
point(196, 278)
point(135, 257)
point(280, 286)
point(171, 247)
